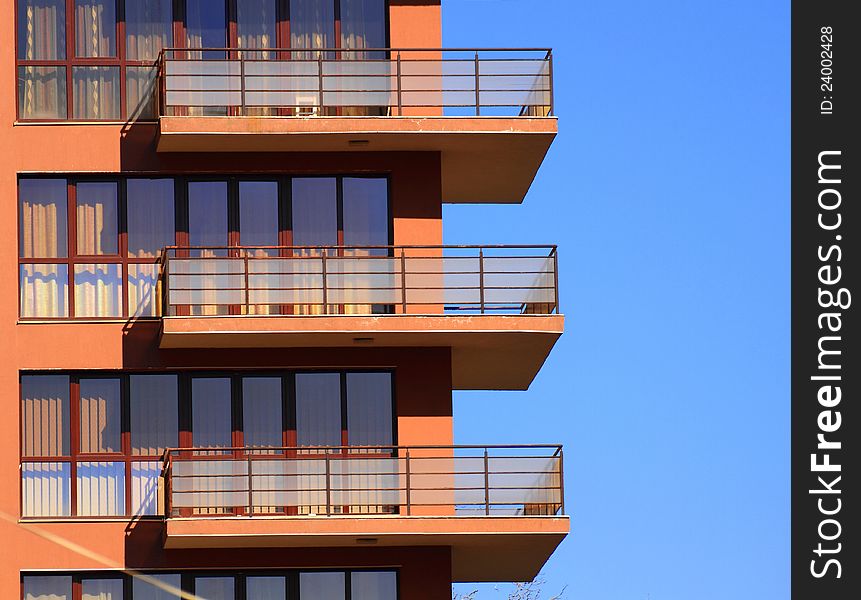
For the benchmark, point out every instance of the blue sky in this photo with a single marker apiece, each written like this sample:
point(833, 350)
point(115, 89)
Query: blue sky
point(667, 191)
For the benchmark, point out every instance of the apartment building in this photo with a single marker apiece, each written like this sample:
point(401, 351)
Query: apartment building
point(229, 354)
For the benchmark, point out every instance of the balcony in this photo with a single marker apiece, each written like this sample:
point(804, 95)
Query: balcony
point(498, 507)
point(489, 113)
point(496, 307)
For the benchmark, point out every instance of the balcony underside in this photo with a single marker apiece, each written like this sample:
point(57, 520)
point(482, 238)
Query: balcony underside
point(484, 159)
point(483, 548)
point(502, 352)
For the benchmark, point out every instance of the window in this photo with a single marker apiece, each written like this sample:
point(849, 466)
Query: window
point(112, 463)
point(104, 68)
point(364, 584)
point(119, 227)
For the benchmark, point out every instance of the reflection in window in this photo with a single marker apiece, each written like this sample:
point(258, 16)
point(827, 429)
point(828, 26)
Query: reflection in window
point(42, 227)
point(143, 286)
point(144, 590)
point(373, 585)
point(312, 25)
point(48, 587)
point(363, 25)
point(318, 409)
point(148, 28)
point(330, 586)
point(214, 588)
point(256, 25)
point(154, 413)
point(266, 588)
point(100, 415)
point(207, 213)
point(140, 92)
point(44, 290)
point(206, 26)
point(96, 93)
point(46, 489)
point(369, 409)
point(45, 415)
point(41, 29)
point(144, 486)
point(366, 213)
point(315, 211)
point(42, 92)
point(151, 216)
point(101, 489)
point(98, 290)
point(97, 218)
point(258, 213)
point(95, 28)
point(262, 414)
point(101, 589)
point(210, 412)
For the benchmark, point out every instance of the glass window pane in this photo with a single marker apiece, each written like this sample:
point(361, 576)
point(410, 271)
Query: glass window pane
point(206, 26)
point(211, 425)
point(156, 587)
point(102, 589)
point(363, 25)
point(149, 27)
point(154, 413)
point(95, 28)
point(151, 216)
point(100, 415)
point(318, 409)
point(373, 585)
point(101, 489)
point(41, 29)
point(44, 290)
point(369, 409)
point(266, 588)
point(262, 413)
point(96, 218)
point(315, 211)
point(144, 484)
point(45, 415)
point(207, 213)
point(96, 93)
point(46, 489)
point(140, 92)
point(42, 226)
point(330, 586)
point(143, 287)
point(214, 588)
point(48, 587)
point(42, 92)
point(366, 212)
point(312, 25)
point(256, 24)
point(258, 213)
point(98, 290)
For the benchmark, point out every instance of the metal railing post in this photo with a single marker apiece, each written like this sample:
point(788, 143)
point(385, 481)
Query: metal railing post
point(247, 285)
point(486, 483)
point(403, 281)
point(328, 487)
point(400, 99)
point(325, 307)
point(477, 88)
point(242, 83)
point(561, 483)
point(250, 489)
point(408, 485)
point(320, 78)
point(550, 78)
point(165, 284)
point(481, 279)
point(556, 279)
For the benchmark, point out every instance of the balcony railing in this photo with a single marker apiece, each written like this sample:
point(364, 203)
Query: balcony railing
point(372, 480)
point(368, 82)
point(355, 280)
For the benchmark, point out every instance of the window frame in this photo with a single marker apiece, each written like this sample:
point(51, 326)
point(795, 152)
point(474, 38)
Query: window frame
point(178, 31)
point(184, 422)
point(240, 577)
point(181, 226)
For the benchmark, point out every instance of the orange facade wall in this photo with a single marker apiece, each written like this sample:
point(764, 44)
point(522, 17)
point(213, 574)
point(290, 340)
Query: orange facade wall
point(423, 376)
